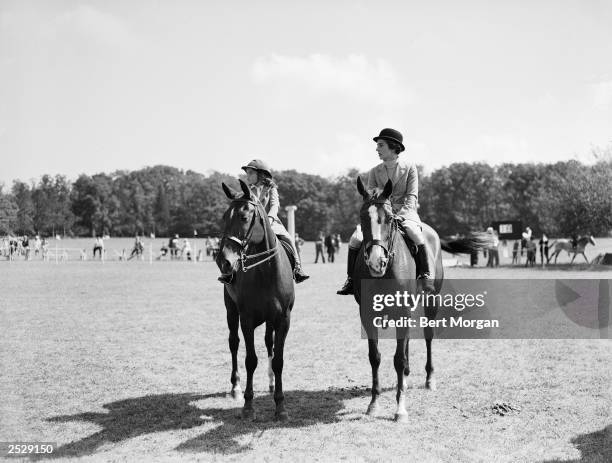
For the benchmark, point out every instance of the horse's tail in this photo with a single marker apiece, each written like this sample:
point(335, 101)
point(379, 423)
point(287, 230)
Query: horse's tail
point(474, 242)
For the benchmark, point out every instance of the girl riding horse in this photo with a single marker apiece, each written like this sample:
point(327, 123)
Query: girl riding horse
point(261, 184)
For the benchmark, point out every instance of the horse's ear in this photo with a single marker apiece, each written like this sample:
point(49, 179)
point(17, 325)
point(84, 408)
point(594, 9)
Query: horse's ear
point(245, 190)
point(229, 192)
point(361, 189)
point(387, 190)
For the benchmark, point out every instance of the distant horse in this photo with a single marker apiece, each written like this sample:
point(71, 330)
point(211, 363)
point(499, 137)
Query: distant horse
point(386, 256)
point(566, 245)
point(261, 291)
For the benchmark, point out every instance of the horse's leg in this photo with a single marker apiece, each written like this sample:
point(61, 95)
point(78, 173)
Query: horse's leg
point(572, 261)
point(374, 356)
point(430, 381)
point(280, 334)
point(585, 257)
point(402, 368)
point(233, 321)
point(269, 346)
point(248, 333)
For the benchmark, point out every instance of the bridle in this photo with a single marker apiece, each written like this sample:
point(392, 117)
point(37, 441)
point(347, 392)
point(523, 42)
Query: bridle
point(244, 243)
point(390, 242)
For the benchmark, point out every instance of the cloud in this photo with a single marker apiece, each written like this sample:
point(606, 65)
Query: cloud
point(355, 77)
point(601, 94)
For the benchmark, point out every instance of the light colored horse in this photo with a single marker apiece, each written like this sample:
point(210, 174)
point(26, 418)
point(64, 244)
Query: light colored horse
point(566, 245)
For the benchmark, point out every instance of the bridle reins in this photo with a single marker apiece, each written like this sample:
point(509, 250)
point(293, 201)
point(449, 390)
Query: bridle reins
point(388, 246)
point(244, 243)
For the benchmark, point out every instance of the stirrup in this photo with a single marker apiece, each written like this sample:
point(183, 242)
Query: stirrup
point(347, 288)
point(226, 278)
point(300, 276)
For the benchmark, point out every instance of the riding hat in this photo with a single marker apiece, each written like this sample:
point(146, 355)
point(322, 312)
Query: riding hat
point(392, 135)
point(258, 164)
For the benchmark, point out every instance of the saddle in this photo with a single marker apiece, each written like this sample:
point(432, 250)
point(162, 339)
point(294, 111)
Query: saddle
point(288, 247)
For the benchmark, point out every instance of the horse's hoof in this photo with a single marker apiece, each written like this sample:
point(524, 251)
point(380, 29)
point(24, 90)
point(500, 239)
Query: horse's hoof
point(401, 418)
point(372, 409)
point(236, 393)
point(281, 416)
point(248, 414)
point(431, 384)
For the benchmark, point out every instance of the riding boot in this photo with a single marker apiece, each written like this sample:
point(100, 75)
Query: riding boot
point(299, 273)
point(422, 260)
point(348, 284)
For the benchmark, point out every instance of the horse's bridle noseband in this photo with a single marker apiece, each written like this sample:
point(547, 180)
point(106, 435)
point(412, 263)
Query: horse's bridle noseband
point(244, 243)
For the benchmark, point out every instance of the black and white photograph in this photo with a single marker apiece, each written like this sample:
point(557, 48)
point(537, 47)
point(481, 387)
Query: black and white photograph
point(321, 231)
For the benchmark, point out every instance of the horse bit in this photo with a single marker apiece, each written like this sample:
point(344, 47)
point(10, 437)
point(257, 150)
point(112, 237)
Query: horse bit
point(244, 244)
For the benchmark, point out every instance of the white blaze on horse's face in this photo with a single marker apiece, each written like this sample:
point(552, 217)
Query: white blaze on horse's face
point(376, 258)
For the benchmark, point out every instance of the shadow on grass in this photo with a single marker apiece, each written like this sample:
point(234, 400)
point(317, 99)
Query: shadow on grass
point(131, 418)
point(594, 447)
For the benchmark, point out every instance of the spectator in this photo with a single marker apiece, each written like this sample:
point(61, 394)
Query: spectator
point(543, 248)
point(98, 247)
point(299, 242)
point(319, 247)
point(493, 248)
point(330, 247)
point(515, 251)
point(25, 245)
point(526, 237)
point(186, 250)
point(531, 252)
point(173, 245)
point(36, 245)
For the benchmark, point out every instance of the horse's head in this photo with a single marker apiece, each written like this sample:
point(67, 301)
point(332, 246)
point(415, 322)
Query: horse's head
point(378, 227)
point(243, 226)
point(591, 240)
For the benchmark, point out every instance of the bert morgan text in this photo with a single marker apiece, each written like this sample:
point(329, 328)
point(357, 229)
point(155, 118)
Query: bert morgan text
point(425, 322)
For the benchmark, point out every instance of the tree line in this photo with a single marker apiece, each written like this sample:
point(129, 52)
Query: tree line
point(559, 199)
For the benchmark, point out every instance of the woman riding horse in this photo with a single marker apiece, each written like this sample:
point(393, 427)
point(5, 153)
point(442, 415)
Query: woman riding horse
point(404, 196)
point(386, 257)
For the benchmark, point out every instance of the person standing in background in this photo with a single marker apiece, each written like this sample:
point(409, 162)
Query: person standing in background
point(319, 247)
point(299, 242)
point(330, 248)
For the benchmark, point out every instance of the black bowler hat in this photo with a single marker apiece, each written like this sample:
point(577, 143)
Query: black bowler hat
point(391, 135)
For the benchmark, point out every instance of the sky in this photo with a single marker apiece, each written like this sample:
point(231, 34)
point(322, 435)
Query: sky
point(97, 86)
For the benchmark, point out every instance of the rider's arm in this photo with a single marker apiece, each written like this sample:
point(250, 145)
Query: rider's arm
point(274, 203)
point(412, 188)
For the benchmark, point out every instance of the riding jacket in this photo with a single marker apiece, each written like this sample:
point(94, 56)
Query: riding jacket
point(268, 197)
point(405, 194)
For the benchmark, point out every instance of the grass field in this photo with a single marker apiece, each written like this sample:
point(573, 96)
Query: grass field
point(129, 362)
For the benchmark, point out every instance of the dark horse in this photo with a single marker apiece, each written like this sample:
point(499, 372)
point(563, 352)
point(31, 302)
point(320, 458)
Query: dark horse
point(387, 256)
point(261, 291)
